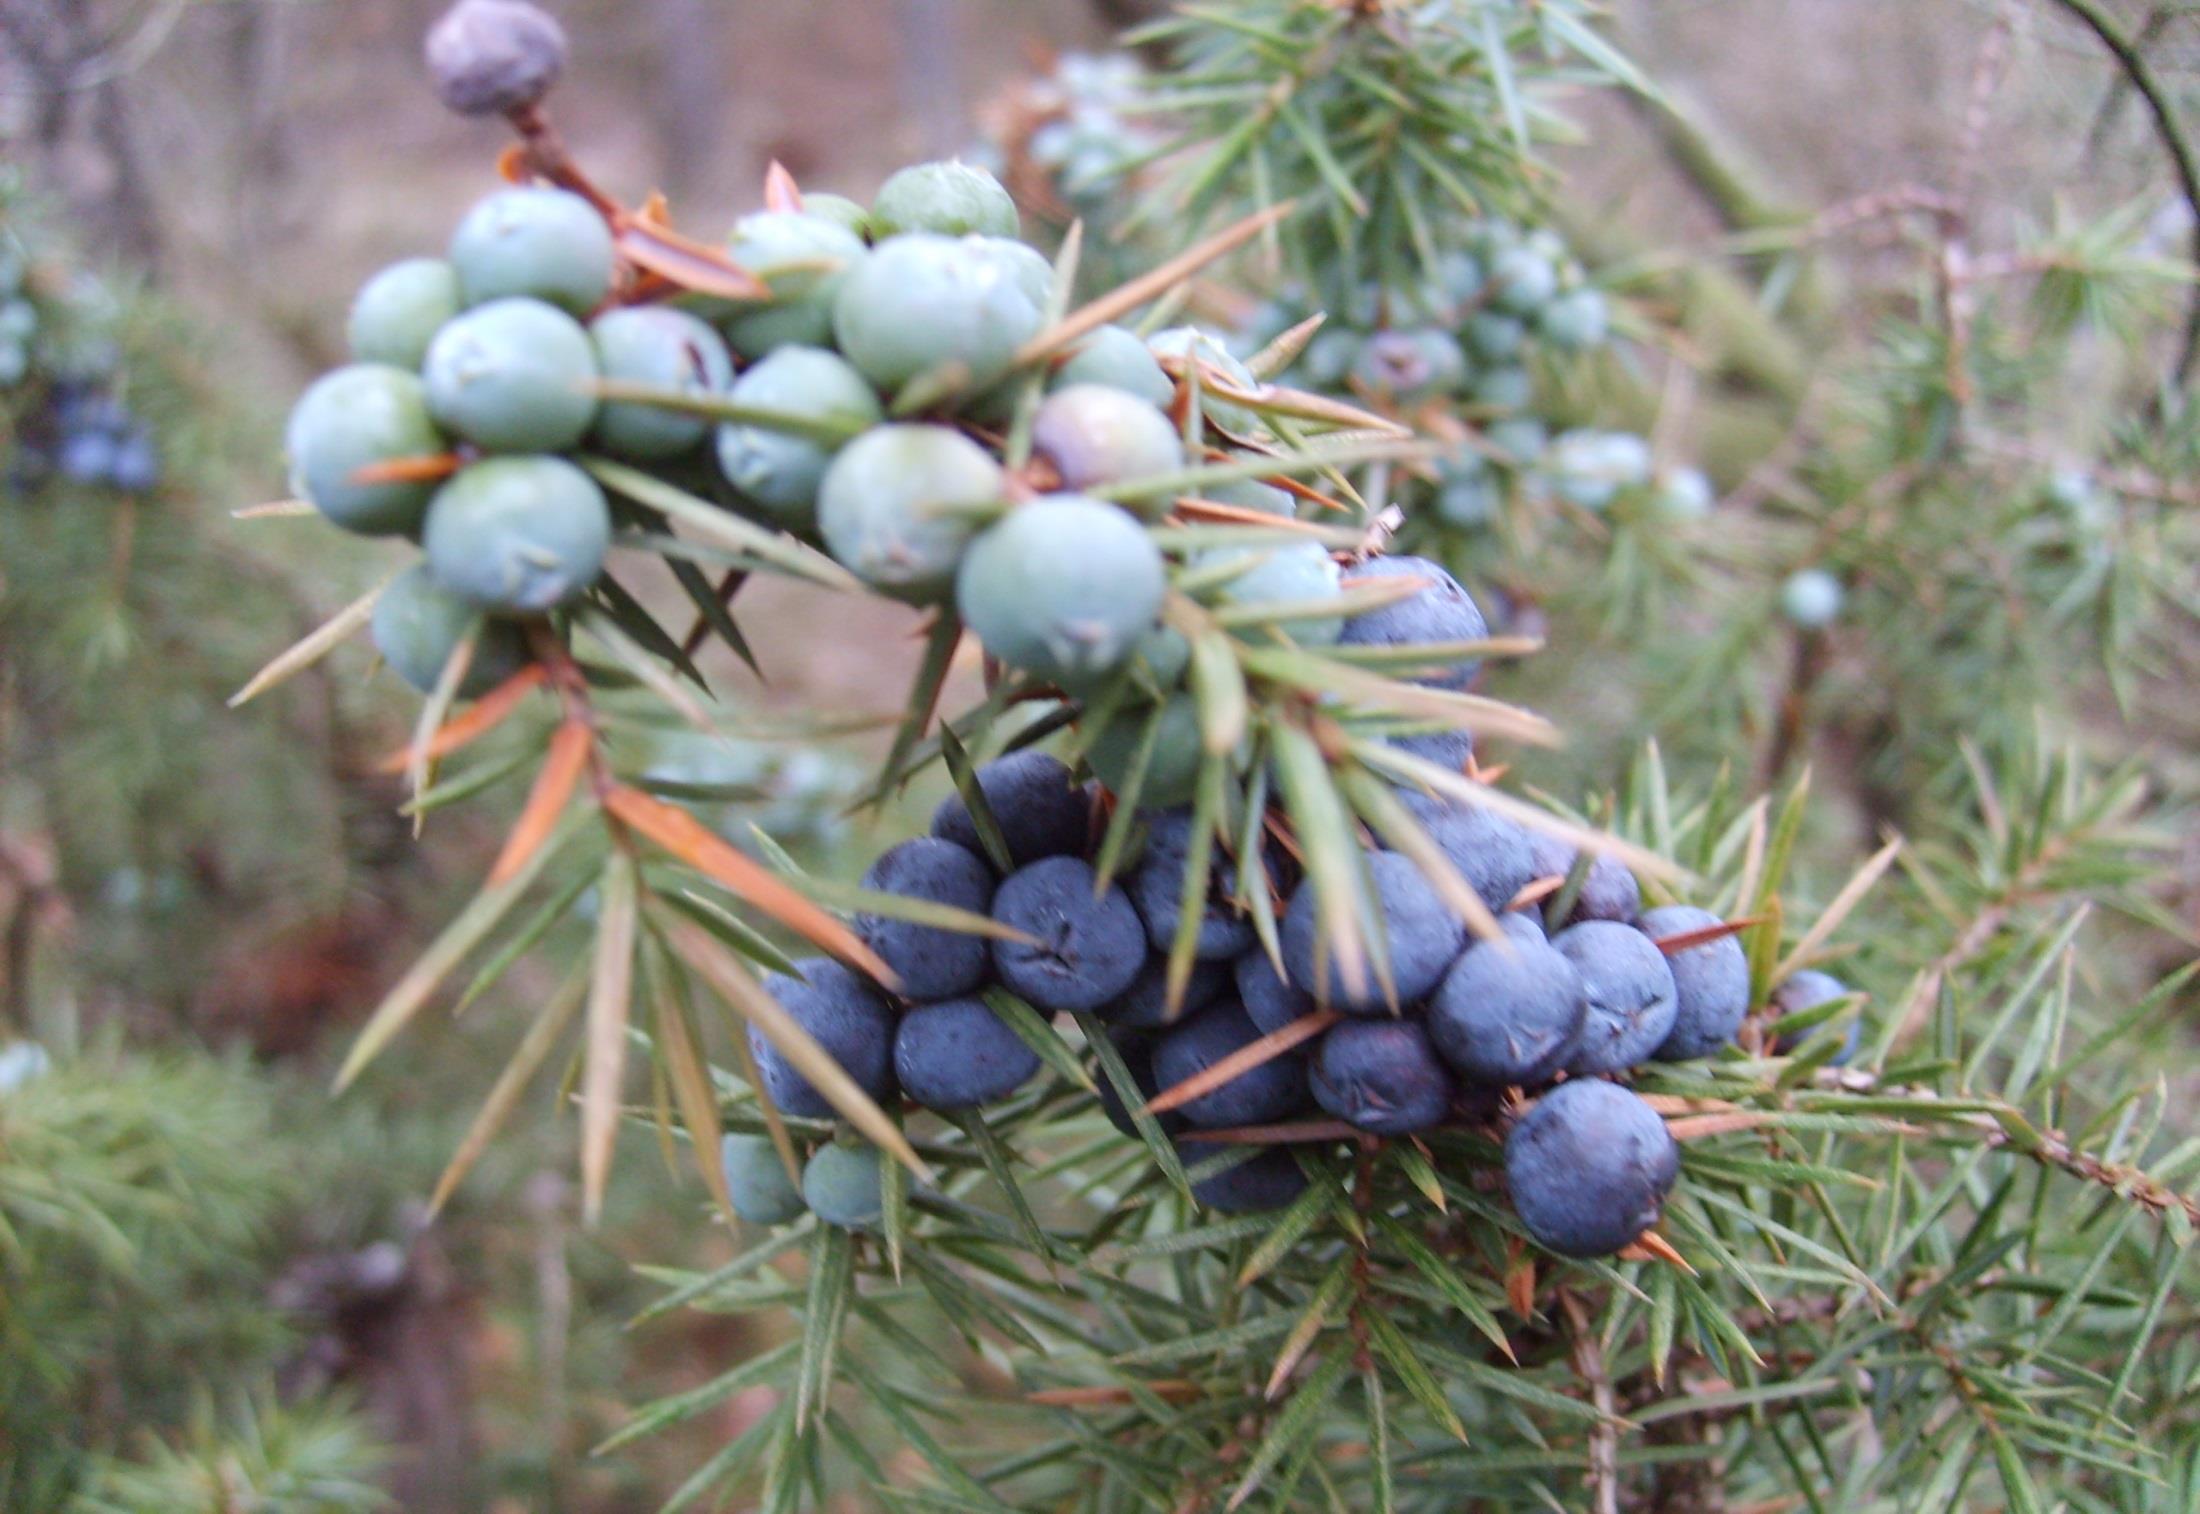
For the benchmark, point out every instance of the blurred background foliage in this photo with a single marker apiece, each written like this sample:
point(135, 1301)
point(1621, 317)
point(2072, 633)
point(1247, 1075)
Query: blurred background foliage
point(217, 1289)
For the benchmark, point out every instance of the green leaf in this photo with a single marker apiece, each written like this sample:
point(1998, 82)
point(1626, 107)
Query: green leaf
point(1294, 1424)
point(832, 1283)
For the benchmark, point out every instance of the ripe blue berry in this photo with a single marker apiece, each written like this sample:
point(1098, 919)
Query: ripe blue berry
point(136, 465)
point(1422, 933)
point(1137, 1054)
point(757, 1181)
point(1441, 612)
point(1062, 587)
point(1269, 1002)
point(1269, 1179)
point(1041, 812)
point(847, 1016)
point(1808, 989)
point(1087, 947)
point(1157, 888)
point(1589, 1168)
point(1258, 1096)
point(513, 376)
point(959, 1054)
point(518, 534)
point(1380, 1076)
point(1711, 981)
point(1632, 1000)
point(1449, 749)
point(1509, 1012)
point(1145, 1004)
point(932, 963)
point(1608, 890)
point(1493, 854)
point(486, 57)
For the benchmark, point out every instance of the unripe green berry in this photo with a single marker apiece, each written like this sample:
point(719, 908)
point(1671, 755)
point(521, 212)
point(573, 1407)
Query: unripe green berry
point(803, 257)
point(1575, 320)
point(513, 376)
point(1062, 588)
point(664, 349)
point(1190, 341)
point(899, 504)
point(1812, 598)
point(397, 313)
point(418, 623)
point(1115, 357)
point(920, 302)
point(355, 418)
point(536, 243)
point(757, 1181)
point(779, 471)
point(1172, 771)
point(838, 209)
point(1299, 571)
point(843, 1186)
point(518, 534)
point(951, 198)
point(1510, 387)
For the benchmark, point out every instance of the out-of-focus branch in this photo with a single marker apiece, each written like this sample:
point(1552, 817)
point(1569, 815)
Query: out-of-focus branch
point(2132, 60)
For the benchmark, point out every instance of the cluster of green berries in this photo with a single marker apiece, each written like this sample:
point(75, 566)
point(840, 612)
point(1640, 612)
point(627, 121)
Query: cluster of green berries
point(1469, 339)
point(1467, 334)
point(495, 359)
point(1077, 125)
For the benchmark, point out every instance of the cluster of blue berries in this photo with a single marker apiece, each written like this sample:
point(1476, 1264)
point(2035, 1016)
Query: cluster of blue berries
point(58, 374)
point(1583, 984)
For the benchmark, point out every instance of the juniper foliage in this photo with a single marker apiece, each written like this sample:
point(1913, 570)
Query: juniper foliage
point(1945, 1272)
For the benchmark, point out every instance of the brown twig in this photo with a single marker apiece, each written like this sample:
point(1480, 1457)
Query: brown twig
point(1588, 1359)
